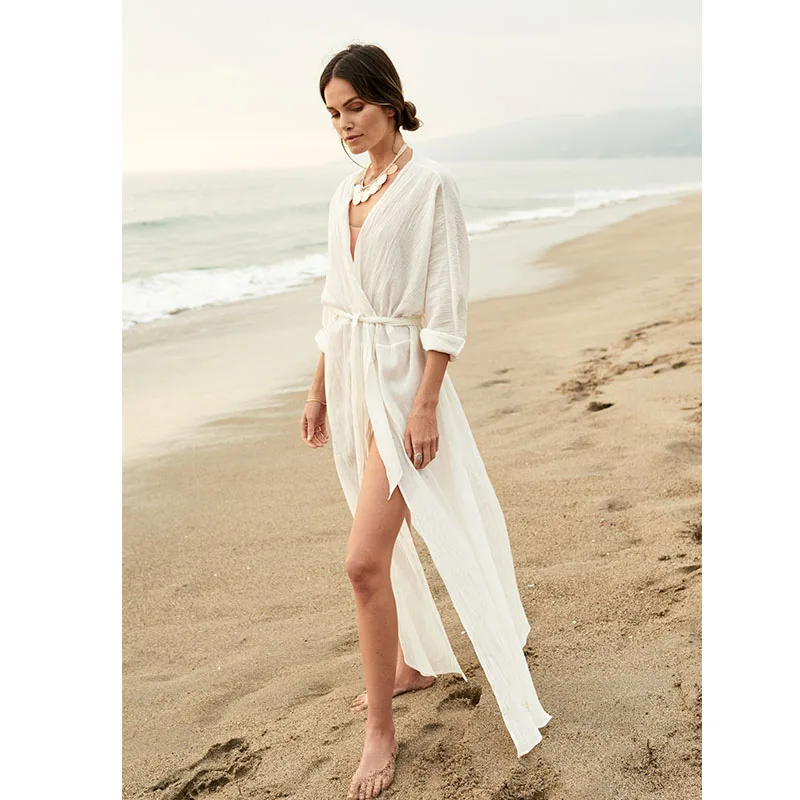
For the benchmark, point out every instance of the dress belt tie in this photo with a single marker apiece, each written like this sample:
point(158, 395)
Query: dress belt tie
point(357, 317)
point(366, 400)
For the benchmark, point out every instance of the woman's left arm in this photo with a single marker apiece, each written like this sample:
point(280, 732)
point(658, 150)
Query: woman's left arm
point(422, 429)
point(445, 330)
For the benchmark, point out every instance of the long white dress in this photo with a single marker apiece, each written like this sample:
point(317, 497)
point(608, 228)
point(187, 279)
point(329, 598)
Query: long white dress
point(405, 292)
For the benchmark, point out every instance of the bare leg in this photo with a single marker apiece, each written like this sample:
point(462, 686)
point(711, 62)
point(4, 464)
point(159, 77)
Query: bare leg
point(406, 679)
point(368, 560)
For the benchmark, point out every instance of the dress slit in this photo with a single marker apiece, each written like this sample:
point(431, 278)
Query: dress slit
point(425, 643)
point(496, 631)
point(413, 270)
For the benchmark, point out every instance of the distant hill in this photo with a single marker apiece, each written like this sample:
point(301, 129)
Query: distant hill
point(617, 134)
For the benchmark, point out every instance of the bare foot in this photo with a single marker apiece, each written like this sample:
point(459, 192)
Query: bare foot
point(376, 769)
point(402, 683)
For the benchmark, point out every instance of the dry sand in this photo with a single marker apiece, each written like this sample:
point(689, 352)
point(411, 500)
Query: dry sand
point(240, 646)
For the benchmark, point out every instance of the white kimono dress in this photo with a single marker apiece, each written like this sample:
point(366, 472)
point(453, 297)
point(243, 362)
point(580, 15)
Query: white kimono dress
point(405, 292)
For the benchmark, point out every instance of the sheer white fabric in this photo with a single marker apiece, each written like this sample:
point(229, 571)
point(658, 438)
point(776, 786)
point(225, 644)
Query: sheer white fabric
point(405, 292)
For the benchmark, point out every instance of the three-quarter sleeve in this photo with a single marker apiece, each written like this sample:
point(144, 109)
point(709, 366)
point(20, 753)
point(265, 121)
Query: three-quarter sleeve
point(447, 284)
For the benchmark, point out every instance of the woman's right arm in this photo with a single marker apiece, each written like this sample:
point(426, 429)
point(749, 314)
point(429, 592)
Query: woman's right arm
point(315, 413)
point(317, 389)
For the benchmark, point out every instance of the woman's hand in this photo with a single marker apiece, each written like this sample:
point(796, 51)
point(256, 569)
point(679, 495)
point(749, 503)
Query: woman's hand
point(422, 435)
point(313, 425)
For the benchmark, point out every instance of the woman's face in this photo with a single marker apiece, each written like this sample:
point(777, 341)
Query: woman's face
point(352, 116)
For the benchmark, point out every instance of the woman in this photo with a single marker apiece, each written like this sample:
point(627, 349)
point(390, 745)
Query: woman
point(393, 317)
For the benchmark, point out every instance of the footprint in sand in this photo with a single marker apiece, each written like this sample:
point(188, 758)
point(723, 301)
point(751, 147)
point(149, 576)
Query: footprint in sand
point(223, 763)
point(469, 695)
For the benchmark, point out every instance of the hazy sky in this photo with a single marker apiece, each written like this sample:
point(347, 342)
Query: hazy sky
point(234, 83)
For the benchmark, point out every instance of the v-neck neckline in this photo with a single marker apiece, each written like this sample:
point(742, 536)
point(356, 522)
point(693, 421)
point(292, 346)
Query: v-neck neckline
point(354, 255)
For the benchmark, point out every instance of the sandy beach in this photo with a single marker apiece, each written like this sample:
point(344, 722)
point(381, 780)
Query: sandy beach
point(240, 646)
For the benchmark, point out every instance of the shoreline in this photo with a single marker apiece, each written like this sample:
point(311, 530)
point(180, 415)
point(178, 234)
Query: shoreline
point(240, 645)
point(202, 365)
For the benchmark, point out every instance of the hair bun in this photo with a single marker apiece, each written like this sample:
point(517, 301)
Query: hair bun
point(409, 117)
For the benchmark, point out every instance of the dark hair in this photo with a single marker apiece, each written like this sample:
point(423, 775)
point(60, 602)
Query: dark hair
point(371, 73)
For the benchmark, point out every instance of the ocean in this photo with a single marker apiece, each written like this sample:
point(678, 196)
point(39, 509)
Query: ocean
point(195, 239)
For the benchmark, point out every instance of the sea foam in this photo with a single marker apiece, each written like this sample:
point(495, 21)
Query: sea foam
point(159, 296)
point(568, 205)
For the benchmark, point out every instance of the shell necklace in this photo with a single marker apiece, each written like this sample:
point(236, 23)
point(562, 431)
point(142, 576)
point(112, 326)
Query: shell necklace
point(361, 192)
